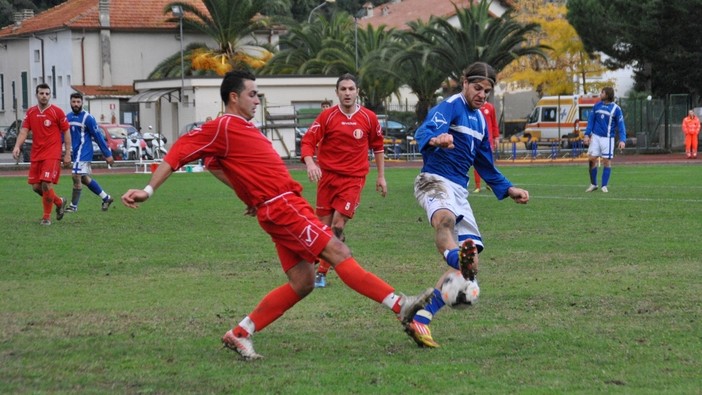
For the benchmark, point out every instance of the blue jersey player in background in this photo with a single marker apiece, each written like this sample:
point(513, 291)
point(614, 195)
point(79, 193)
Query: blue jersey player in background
point(84, 130)
point(606, 117)
point(452, 138)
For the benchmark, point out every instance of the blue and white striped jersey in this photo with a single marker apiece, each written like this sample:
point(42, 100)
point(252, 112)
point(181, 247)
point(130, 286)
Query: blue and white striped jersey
point(604, 119)
point(84, 129)
point(471, 145)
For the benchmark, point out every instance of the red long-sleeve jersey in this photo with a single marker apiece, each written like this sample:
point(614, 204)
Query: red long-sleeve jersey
point(342, 141)
point(247, 158)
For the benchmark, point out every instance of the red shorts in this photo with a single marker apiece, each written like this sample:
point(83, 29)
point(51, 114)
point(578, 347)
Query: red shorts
point(297, 233)
point(339, 193)
point(48, 170)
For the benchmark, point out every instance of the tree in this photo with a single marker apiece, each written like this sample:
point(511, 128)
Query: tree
point(652, 36)
point(327, 46)
point(231, 24)
point(409, 59)
point(479, 37)
point(567, 60)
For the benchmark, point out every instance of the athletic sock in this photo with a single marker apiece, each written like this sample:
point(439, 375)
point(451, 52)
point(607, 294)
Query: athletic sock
point(452, 258)
point(47, 203)
point(323, 267)
point(95, 187)
point(273, 305)
point(362, 281)
point(605, 176)
point(593, 176)
point(426, 314)
point(75, 196)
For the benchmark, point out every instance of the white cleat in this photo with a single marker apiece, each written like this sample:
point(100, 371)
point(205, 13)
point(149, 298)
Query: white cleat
point(242, 345)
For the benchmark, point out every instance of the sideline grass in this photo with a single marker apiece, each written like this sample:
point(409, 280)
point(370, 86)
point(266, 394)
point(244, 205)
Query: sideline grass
point(581, 293)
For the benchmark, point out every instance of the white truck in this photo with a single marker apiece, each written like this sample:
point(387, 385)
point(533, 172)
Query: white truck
point(559, 119)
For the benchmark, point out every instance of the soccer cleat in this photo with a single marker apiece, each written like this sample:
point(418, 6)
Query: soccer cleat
point(71, 208)
point(591, 188)
point(106, 203)
point(61, 209)
point(421, 334)
point(242, 345)
point(476, 190)
point(410, 305)
point(45, 222)
point(468, 259)
point(320, 280)
point(604, 189)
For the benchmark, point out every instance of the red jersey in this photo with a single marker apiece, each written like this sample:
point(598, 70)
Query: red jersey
point(342, 141)
point(47, 130)
point(488, 111)
point(253, 167)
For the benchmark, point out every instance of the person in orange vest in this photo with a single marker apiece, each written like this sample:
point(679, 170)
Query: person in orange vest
point(691, 128)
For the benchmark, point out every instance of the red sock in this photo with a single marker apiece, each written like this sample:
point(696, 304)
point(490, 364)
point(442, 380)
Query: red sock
point(476, 178)
point(323, 266)
point(272, 306)
point(47, 200)
point(361, 281)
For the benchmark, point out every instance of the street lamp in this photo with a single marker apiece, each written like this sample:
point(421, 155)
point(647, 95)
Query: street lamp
point(178, 13)
point(309, 19)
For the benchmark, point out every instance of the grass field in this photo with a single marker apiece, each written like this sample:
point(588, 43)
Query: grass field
point(580, 293)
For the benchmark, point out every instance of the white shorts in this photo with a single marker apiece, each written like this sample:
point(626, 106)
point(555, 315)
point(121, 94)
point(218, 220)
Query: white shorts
point(601, 146)
point(434, 193)
point(82, 168)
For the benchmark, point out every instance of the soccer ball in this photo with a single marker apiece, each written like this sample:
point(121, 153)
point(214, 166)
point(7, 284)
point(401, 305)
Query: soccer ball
point(459, 293)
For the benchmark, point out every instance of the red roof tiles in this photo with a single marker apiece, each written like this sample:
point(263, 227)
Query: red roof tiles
point(84, 14)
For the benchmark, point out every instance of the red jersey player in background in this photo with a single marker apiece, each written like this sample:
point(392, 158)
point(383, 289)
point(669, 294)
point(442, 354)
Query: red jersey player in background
point(246, 161)
point(48, 124)
point(342, 135)
point(488, 111)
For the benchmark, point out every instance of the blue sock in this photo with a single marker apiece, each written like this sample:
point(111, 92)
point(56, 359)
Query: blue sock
point(605, 176)
point(452, 258)
point(95, 187)
point(426, 314)
point(593, 176)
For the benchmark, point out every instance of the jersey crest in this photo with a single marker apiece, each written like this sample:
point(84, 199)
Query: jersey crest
point(439, 120)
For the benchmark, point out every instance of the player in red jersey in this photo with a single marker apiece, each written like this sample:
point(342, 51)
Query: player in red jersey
point(48, 124)
point(488, 111)
point(342, 136)
point(247, 162)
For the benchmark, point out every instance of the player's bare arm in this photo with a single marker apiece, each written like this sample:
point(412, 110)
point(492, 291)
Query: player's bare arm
point(444, 140)
point(519, 195)
point(381, 186)
point(314, 173)
point(67, 148)
point(134, 196)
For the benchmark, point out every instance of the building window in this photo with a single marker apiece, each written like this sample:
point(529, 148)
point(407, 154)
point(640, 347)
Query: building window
point(37, 56)
point(25, 90)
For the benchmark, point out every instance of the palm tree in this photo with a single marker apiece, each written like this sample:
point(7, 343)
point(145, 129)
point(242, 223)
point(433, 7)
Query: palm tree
point(480, 37)
point(415, 68)
point(231, 23)
point(303, 43)
point(328, 47)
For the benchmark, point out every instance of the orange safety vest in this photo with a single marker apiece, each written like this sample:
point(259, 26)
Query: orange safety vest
point(691, 125)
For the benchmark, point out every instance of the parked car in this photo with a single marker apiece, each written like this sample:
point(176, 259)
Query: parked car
point(2, 138)
point(11, 135)
point(115, 136)
point(398, 137)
